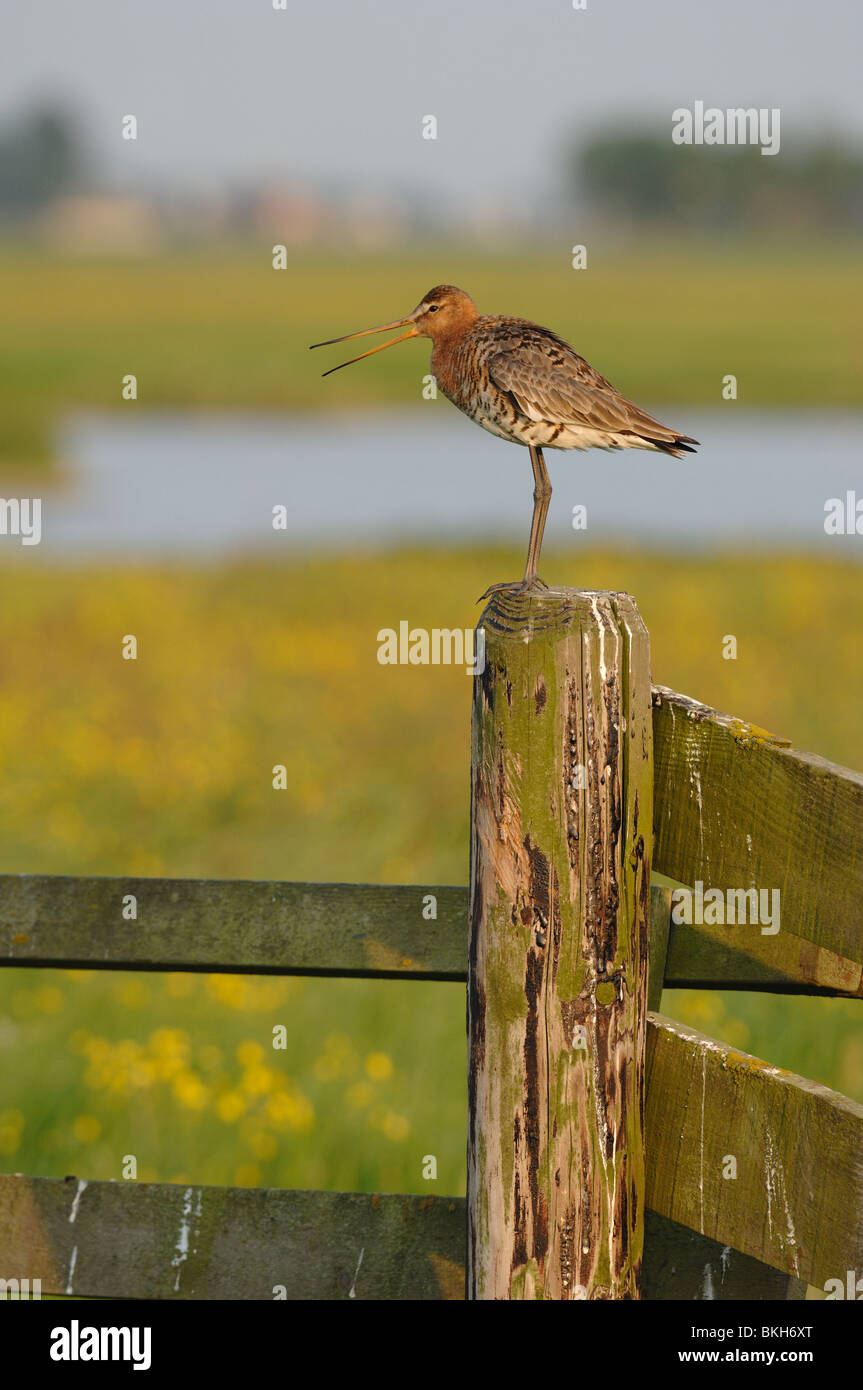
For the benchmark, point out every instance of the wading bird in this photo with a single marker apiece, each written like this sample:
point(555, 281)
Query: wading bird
point(525, 384)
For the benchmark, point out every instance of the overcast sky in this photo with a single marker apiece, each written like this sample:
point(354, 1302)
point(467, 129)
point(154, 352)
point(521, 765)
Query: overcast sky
point(328, 90)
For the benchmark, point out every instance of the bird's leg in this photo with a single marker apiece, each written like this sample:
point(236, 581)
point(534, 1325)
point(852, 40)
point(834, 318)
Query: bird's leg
point(541, 500)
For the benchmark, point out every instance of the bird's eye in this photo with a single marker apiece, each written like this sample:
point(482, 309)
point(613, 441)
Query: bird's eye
point(433, 308)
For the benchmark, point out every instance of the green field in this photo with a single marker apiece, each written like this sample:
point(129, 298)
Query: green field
point(163, 766)
point(223, 330)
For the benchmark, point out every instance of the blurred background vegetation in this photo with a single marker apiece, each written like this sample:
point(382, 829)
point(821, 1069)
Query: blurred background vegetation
point(765, 252)
point(162, 766)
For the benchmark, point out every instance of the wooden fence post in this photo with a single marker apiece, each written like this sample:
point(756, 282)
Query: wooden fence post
point(561, 837)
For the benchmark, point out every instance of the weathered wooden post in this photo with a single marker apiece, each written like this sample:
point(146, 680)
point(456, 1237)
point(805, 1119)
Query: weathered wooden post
point(562, 817)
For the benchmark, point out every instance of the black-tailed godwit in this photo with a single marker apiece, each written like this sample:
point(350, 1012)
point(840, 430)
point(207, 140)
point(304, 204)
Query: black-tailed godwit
point(524, 384)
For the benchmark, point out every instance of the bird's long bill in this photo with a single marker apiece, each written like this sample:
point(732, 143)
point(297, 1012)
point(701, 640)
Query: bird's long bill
point(412, 332)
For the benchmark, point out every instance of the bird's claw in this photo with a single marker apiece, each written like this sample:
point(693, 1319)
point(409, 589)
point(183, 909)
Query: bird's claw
point(516, 586)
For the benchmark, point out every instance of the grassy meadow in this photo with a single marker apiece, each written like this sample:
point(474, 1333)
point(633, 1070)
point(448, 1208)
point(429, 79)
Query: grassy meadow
point(162, 766)
point(665, 321)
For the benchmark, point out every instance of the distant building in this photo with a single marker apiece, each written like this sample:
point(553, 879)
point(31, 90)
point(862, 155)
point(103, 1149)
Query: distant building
point(101, 224)
point(293, 216)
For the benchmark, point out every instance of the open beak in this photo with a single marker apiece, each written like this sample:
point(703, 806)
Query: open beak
point(413, 332)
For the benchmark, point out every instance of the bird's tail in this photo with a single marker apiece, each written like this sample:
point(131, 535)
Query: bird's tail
point(678, 447)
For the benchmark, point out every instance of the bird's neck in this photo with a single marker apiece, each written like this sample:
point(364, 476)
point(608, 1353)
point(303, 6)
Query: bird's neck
point(444, 360)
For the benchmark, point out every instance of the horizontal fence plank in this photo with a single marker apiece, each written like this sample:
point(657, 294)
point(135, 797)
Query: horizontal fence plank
point(737, 808)
point(658, 939)
point(234, 925)
point(796, 1202)
point(126, 1240)
point(682, 1265)
point(162, 1240)
point(375, 932)
point(736, 957)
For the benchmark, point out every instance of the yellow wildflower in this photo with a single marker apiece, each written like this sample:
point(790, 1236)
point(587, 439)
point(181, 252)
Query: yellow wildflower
point(230, 1106)
point(87, 1129)
point(379, 1066)
point(190, 1091)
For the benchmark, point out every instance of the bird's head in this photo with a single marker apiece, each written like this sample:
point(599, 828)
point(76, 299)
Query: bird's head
point(444, 311)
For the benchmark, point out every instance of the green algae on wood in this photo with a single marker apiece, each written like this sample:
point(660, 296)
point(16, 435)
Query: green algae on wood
point(561, 839)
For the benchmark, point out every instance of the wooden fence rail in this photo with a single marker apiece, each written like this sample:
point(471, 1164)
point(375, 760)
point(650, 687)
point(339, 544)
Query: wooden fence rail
point(125, 1242)
point(738, 808)
point(754, 1177)
point(371, 931)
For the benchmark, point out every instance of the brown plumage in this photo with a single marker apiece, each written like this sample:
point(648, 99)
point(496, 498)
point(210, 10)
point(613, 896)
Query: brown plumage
point(524, 384)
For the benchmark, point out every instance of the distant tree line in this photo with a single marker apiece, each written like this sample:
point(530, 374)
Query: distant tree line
point(41, 156)
point(647, 178)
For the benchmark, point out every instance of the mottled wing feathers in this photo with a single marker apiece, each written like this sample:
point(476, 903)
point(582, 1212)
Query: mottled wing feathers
point(549, 381)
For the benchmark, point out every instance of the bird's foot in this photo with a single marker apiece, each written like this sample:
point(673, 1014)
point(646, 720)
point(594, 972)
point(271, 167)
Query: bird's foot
point(517, 586)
